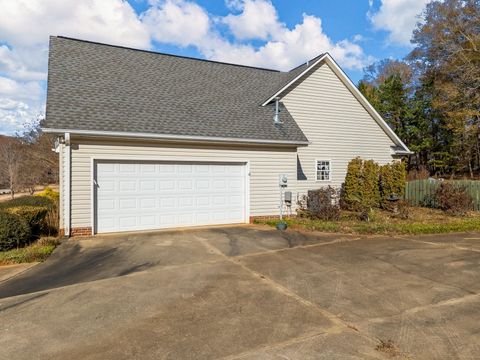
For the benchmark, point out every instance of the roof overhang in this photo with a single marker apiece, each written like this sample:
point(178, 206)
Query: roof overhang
point(173, 138)
point(354, 90)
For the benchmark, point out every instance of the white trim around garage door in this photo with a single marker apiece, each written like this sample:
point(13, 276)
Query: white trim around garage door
point(95, 159)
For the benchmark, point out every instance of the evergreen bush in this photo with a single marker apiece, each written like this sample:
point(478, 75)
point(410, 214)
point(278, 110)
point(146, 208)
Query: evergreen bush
point(392, 182)
point(14, 231)
point(33, 215)
point(360, 190)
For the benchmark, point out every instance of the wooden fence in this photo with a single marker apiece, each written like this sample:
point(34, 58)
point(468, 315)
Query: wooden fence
point(420, 192)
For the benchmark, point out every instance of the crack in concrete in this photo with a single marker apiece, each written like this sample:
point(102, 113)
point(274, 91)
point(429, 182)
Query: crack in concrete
point(416, 309)
point(292, 341)
point(452, 245)
point(266, 252)
point(340, 325)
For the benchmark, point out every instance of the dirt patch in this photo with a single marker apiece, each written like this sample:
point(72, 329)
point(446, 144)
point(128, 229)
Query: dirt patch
point(389, 348)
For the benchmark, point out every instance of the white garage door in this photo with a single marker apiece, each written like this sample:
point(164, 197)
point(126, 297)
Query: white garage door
point(147, 195)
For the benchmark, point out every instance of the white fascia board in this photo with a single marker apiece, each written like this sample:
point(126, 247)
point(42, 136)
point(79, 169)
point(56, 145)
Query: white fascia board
point(169, 137)
point(354, 90)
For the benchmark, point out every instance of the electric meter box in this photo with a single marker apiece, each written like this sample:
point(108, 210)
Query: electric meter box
point(287, 197)
point(282, 180)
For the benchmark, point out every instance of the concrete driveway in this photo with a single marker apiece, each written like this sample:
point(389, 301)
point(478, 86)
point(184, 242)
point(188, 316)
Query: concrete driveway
point(247, 293)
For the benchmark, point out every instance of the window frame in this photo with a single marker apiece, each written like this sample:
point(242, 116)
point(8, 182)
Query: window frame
point(330, 170)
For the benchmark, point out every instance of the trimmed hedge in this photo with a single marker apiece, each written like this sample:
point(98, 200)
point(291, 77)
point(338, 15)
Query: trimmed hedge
point(14, 231)
point(393, 178)
point(361, 189)
point(33, 215)
point(352, 188)
point(371, 191)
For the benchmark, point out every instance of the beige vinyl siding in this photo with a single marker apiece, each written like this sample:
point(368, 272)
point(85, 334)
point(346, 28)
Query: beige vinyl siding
point(265, 165)
point(337, 126)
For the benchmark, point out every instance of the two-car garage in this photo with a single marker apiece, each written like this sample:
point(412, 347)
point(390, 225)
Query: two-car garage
point(145, 195)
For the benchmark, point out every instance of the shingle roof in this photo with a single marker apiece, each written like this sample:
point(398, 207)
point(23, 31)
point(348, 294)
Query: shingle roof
point(100, 87)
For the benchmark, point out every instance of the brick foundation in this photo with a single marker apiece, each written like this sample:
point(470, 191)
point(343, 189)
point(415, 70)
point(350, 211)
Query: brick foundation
point(81, 231)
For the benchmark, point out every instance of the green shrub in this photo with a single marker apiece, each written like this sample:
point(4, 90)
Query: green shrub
point(392, 182)
point(453, 199)
point(28, 201)
point(33, 215)
point(360, 190)
point(49, 193)
point(371, 191)
point(352, 187)
point(14, 231)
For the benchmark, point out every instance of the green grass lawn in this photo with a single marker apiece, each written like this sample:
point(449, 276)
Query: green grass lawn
point(36, 252)
point(421, 221)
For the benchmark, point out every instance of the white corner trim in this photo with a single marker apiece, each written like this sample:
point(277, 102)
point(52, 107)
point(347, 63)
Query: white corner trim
point(354, 90)
point(170, 137)
point(67, 189)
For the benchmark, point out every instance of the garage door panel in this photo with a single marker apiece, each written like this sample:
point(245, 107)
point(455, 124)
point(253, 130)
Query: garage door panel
point(146, 195)
point(147, 203)
point(166, 185)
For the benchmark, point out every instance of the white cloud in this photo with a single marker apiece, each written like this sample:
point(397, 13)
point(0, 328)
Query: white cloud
point(398, 17)
point(15, 114)
point(25, 25)
point(30, 90)
point(30, 22)
point(290, 47)
point(258, 20)
point(20, 103)
point(282, 48)
point(177, 22)
point(20, 65)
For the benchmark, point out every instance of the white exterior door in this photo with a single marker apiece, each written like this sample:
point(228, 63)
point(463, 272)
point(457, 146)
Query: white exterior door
point(132, 195)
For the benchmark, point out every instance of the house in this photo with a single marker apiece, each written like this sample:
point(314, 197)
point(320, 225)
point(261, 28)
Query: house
point(150, 141)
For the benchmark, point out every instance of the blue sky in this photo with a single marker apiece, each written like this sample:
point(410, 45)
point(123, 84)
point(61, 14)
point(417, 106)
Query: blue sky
point(275, 34)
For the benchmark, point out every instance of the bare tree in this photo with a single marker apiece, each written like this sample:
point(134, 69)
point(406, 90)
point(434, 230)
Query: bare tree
point(10, 163)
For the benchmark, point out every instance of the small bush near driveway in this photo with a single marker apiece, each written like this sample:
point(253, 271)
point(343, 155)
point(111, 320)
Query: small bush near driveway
point(14, 231)
point(24, 220)
point(33, 215)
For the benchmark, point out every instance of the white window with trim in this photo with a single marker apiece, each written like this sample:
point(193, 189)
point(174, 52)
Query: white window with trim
point(324, 170)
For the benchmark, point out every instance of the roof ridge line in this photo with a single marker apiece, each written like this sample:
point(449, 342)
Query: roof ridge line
point(166, 54)
point(308, 61)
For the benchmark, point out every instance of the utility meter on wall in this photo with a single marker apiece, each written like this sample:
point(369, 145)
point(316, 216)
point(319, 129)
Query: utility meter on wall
point(283, 180)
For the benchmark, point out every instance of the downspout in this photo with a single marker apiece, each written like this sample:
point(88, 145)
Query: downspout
point(68, 182)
